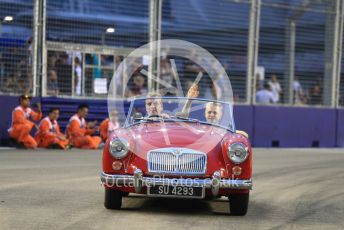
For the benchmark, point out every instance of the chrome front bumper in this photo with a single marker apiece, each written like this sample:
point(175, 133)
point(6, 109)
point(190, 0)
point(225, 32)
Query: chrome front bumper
point(137, 180)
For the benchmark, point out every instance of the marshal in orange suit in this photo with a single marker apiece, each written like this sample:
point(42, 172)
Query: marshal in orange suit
point(79, 132)
point(21, 124)
point(49, 134)
point(109, 125)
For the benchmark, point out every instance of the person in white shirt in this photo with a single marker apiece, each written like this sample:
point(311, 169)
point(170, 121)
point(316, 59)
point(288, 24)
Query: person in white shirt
point(265, 96)
point(298, 92)
point(78, 76)
point(275, 87)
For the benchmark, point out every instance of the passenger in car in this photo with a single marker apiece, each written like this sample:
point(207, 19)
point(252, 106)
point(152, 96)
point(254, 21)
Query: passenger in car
point(109, 125)
point(213, 112)
point(49, 135)
point(79, 132)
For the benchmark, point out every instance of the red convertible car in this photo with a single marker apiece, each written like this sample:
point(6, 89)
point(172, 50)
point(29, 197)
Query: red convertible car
point(166, 151)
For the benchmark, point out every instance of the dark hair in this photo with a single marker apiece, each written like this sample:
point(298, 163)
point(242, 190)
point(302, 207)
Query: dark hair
point(82, 106)
point(24, 96)
point(266, 85)
point(53, 109)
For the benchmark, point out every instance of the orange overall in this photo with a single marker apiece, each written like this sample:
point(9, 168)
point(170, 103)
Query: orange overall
point(79, 135)
point(106, 127)
point(21, 126)
point(47, 133)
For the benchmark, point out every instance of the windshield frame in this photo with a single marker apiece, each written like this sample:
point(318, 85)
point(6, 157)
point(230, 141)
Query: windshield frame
point(128, 124)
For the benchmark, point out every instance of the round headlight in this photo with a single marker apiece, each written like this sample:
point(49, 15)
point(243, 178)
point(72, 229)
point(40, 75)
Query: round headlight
point(118, 148)
point(237, 153)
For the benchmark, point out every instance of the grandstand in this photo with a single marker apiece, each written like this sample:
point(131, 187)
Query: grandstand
point(80, 45)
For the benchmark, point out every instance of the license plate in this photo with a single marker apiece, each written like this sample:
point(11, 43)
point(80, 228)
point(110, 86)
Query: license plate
point(176, 191)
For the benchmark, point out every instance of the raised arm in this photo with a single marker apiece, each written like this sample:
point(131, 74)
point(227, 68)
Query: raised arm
point(192, 93)
point(36, 116)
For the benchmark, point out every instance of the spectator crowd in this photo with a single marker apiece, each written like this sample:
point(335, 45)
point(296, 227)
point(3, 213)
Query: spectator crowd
point(16, 77)
point(270, 92)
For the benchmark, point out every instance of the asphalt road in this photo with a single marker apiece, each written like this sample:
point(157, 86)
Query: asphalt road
point(293, 189)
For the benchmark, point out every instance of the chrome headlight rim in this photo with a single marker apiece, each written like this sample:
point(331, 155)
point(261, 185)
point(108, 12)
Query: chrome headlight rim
point(233, 155)
point(114, 150)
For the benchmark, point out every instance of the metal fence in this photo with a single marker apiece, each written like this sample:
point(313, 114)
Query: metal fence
point(222, 28)
point(86, 41)
point(293, 49)
point(16, 48)
point(297, 51)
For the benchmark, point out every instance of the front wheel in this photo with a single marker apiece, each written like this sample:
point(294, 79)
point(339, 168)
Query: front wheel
point(113, 199)
point(238, 204)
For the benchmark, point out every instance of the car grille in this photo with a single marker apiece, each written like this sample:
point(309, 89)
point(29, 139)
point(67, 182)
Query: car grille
point(177, 161)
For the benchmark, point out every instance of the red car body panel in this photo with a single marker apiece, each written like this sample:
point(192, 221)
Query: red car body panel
point(148, 136)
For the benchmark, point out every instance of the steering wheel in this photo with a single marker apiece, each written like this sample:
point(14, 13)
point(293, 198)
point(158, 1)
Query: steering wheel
point(154, 115)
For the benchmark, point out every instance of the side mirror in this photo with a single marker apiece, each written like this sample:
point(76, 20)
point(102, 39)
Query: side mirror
point(241, 133)
point(137, 116)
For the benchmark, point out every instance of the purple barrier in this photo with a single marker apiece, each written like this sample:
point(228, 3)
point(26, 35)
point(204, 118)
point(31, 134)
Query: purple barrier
point(266, 125)
point(340, 127)
point(243, 117)
point(7, 104)
point(294, 127)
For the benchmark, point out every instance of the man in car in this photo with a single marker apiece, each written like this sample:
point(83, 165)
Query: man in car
point(213, 112)
point(49, 134)
point(154, 105)
point(80, 132)
point(21, 124)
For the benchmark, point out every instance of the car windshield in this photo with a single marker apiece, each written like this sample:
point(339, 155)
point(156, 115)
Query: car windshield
point(170, 109)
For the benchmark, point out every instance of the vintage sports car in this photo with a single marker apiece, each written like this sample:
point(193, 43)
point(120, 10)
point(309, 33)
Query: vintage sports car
point(166, 151)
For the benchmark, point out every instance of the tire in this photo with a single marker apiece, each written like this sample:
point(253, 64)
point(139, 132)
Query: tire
point(113, 199)
point(125, 194)
point(238, 204)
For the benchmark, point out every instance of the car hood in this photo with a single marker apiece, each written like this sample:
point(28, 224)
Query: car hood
point(196, 136)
